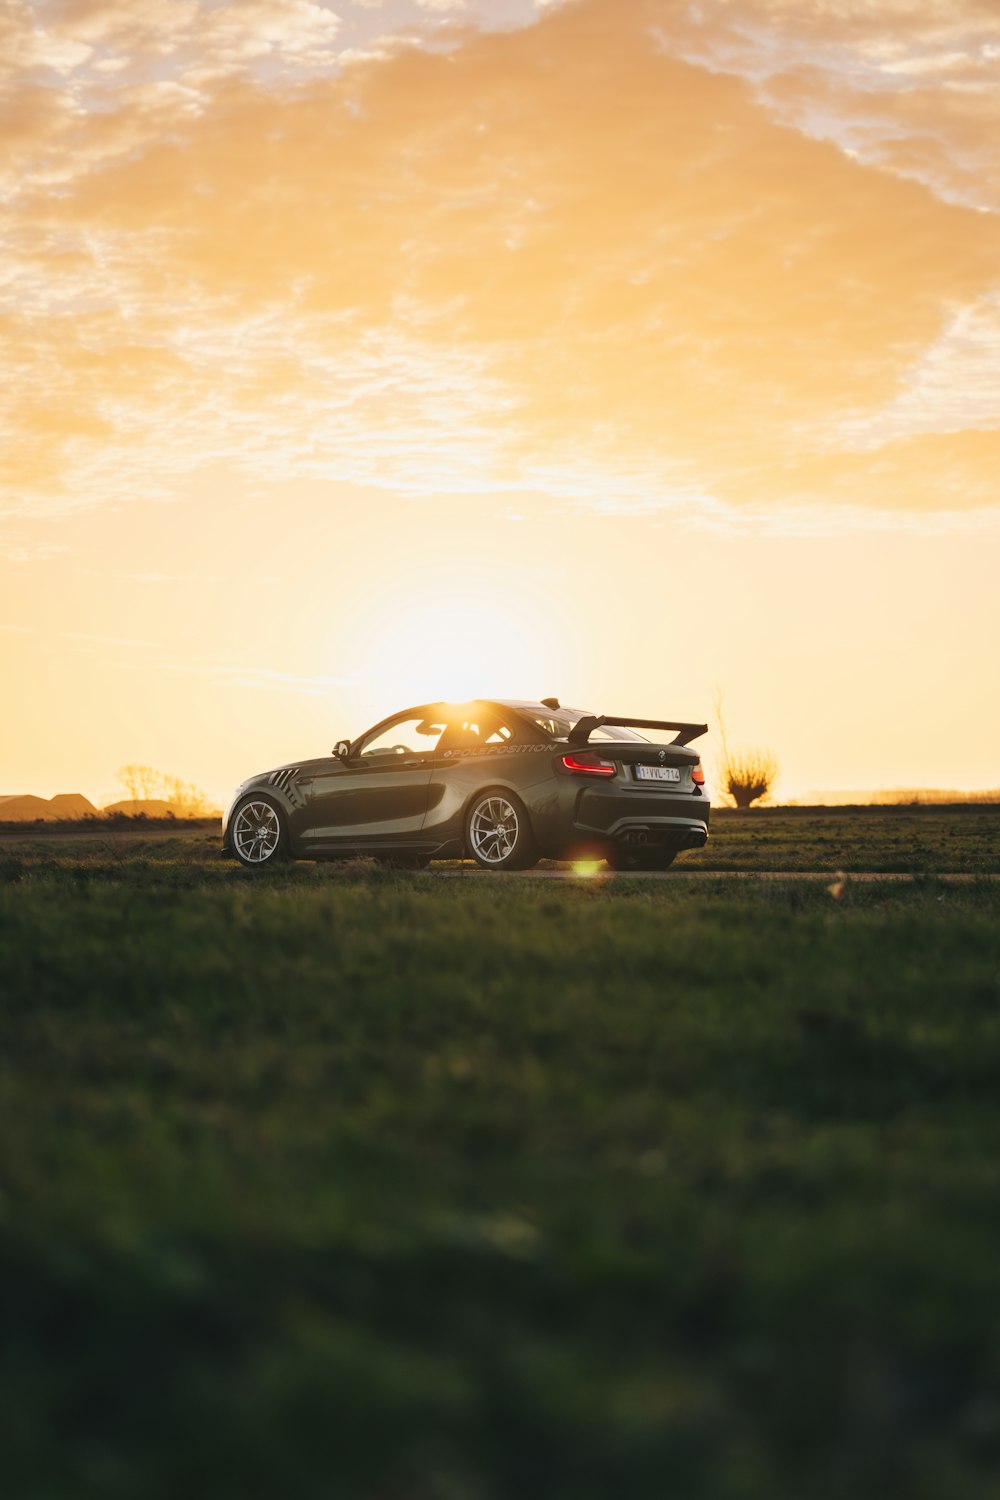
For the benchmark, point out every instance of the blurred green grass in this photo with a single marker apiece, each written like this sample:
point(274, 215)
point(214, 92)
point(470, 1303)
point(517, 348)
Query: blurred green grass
point(336, 1183)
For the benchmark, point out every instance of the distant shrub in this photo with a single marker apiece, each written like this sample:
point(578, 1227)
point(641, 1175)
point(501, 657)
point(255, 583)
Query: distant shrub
point(745, 775)
point(748, 775)
point(930, 796)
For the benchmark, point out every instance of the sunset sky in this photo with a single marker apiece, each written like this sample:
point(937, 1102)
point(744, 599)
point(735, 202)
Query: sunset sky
point(635, 351)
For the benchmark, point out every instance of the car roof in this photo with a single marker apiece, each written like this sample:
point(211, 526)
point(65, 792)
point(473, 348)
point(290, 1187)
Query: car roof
point(533, 705)
point(528, 705)
point(529, 708)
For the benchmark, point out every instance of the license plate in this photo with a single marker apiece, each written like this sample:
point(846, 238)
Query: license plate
point(657, 773)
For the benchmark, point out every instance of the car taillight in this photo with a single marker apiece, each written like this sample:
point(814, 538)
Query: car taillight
point(584, 764)
point(698, 775)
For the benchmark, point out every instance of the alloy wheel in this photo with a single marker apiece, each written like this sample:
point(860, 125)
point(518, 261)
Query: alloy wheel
point(256, 832)
point(493, 830)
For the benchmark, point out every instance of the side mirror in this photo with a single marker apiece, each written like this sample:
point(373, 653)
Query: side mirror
point(342, 749)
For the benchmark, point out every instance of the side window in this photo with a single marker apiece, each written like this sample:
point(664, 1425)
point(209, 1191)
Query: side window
point(495, 732)
point(403, 739)
point(557, 728)
point(485, 732)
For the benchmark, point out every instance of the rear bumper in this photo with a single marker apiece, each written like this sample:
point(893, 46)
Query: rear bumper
point(663, 833)
point(596, 817)
point(609, 809)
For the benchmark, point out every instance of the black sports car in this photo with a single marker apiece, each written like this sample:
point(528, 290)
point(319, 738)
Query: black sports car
point(505, 782)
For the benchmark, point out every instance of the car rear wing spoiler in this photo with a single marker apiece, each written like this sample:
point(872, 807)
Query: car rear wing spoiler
point(584, 728)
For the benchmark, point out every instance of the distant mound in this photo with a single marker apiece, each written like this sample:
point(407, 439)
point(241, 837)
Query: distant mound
point(893, 797)
point(25, 808)
point(141, 807)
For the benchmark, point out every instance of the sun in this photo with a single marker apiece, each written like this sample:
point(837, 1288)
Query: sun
point(455, 642)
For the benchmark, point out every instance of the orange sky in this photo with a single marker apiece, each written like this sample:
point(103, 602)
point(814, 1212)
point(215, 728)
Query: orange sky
point(630, 350)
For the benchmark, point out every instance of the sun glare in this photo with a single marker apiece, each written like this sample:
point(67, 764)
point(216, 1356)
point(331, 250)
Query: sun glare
point(452, 644)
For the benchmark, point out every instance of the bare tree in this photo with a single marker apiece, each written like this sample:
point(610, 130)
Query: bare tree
point(144, 784)
point(186, 799)
point(141, 782)
point(746, 774)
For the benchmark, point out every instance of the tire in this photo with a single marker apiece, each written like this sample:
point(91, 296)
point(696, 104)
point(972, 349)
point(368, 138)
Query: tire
point(258, 832)
point(498, 833)
point(642, 859)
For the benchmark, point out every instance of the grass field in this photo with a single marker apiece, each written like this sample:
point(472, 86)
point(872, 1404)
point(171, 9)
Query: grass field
point(890, 840)
point(916, 839)
point(347, 1184)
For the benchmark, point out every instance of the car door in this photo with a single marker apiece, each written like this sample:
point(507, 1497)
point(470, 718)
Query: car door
point(377, 797)
point(479, 744)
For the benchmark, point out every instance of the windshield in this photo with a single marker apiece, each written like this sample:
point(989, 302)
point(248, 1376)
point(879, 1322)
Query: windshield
point(559, 721)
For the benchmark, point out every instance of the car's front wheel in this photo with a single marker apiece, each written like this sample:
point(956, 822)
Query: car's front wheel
point(259, 834)
point(497, 832)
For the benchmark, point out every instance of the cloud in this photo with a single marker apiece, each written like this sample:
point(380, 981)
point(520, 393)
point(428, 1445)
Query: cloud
point(581, 257)
point(266, 679)
point(260, 677)
point(952, 388)
point(908, 85)
point(105, 640)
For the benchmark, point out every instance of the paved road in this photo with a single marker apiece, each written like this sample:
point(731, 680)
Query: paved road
point(473, 872)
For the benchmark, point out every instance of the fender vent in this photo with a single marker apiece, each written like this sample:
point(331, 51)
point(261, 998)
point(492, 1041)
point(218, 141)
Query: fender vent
point(283, 779)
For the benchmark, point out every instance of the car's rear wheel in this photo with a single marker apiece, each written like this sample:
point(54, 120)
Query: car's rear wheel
point(497, 832)
point(259, 834)
point(642, 859)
